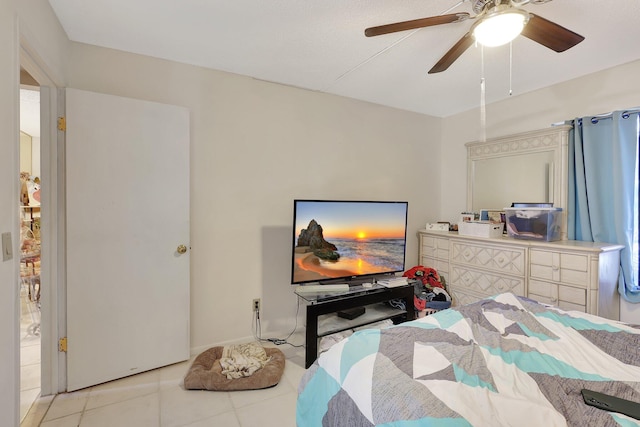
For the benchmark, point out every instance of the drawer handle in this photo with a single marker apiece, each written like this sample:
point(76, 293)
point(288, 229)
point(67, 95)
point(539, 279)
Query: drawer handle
point(554, 299)
point(555, 268)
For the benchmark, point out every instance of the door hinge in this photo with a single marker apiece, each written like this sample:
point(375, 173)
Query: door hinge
point(62, 344)
point(62, 124)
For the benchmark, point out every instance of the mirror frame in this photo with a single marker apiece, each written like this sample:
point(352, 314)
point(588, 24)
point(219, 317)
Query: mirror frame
point(554, 140)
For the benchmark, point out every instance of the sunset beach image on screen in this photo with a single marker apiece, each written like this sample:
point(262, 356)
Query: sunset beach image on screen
point(345, 239)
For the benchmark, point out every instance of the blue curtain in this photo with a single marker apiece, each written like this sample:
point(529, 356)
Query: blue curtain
point(603, 153)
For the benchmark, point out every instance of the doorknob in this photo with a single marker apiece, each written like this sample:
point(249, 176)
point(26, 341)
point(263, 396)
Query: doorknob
point(182, 249)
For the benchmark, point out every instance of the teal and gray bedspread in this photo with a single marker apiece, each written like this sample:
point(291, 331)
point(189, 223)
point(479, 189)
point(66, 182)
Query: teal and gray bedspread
point(503, 361)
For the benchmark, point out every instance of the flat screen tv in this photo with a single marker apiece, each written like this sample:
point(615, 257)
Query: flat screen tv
point(335, 240)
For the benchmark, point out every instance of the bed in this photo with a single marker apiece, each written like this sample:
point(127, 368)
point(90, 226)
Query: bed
point(502, 361)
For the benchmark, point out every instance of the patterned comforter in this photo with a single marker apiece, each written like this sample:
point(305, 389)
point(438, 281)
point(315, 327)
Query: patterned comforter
point(503, 361)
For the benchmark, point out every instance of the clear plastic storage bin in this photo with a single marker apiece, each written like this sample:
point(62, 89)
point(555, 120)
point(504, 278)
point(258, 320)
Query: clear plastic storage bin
point(534, 223)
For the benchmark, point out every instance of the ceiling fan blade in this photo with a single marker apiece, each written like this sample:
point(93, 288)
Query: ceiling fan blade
point(416, 23)
point(453, 54)
point(550, 34)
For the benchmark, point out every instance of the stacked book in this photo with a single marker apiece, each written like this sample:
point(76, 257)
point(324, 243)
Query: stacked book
point(392, 283)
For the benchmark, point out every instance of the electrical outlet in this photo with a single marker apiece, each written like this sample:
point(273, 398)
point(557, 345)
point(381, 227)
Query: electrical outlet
point(7, 247)
point(256, 304)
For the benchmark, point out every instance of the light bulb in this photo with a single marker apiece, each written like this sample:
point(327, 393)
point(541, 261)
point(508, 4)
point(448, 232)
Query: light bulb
point(500, 28)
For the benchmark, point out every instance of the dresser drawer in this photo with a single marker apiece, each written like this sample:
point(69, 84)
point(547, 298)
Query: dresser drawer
point(485, 283)
point(543, 291)
point(435, 247)
point(570, 306)
point(572, 295)
point(560, 267)
point(460, 297)
point(441, 266)
point(565, 297)
point(503, 260)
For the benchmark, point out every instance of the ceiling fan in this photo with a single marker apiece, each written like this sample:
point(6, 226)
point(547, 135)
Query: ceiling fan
point(501, 18)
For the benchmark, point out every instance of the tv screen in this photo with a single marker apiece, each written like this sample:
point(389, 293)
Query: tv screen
point(335, 240)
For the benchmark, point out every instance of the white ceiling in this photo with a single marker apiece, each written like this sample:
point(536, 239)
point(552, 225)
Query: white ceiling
point(320, 44)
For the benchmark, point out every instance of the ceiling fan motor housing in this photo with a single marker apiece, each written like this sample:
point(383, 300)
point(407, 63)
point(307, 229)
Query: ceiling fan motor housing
point(481, 5)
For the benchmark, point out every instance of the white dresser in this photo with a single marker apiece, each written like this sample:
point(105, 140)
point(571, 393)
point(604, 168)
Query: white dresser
point(571, 274)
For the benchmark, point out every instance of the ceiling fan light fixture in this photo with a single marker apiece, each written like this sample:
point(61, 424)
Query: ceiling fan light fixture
point(500, 26)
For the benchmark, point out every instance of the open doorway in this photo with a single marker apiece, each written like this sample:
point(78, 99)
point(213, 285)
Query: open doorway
point(29, 281)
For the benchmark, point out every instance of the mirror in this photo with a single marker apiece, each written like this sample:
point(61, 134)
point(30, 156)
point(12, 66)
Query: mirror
point(500, 181)
point(527, 167)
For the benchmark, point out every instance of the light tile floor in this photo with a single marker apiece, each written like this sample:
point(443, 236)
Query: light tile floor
point(157, 399)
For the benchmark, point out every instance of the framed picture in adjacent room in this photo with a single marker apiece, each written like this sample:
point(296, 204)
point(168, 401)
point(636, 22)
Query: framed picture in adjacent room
point(494, 215)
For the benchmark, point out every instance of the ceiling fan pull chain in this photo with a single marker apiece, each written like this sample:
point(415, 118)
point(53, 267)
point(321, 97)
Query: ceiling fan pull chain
point(483, 113)
point(510, 68)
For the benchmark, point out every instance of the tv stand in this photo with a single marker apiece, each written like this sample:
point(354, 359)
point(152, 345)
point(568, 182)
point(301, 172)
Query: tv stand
point(321, 306)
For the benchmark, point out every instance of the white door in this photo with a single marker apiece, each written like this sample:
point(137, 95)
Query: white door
point(127, 192)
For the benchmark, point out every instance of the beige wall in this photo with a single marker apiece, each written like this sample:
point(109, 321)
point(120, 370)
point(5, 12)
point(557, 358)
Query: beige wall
point(255, 147)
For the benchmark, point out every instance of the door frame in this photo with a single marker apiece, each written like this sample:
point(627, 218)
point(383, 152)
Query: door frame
point(53, 302)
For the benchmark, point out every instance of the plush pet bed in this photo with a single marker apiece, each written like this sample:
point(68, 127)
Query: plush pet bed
point(206, 373)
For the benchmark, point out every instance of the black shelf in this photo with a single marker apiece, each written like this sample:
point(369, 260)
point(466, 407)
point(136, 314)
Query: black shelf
point(323, 307)
point(330, 323)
